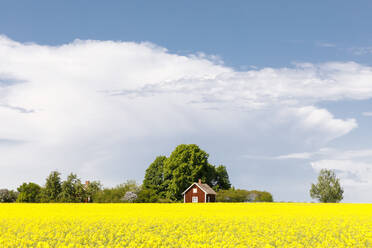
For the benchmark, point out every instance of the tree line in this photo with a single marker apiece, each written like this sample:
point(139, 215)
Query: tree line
point(164, 181)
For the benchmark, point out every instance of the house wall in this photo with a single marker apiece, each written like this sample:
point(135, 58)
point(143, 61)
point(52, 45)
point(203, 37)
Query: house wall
point(212, 198)
point(200, 194)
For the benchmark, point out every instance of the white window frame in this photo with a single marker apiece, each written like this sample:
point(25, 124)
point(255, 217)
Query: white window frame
point(194, 199)
point(195, 190)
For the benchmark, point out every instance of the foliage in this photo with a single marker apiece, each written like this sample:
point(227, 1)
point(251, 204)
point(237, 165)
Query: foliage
point(169, 177)
point(186, 225)
point(147, 195)
point(29, 192)
point(185, 165)
point(116, 194)
point(91, 190)
point(72, 190)
point(8, 195)
point(261, 196)
point(165, 179)
point(328, 188)
point(222, 178)
point(53, 188)
point(154, 178)
point(241, 195)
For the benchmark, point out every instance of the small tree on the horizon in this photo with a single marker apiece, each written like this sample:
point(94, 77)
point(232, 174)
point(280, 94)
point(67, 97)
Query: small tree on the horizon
point(328, 188)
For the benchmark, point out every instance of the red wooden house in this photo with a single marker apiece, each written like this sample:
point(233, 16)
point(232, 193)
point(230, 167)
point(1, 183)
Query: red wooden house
point(199, 192)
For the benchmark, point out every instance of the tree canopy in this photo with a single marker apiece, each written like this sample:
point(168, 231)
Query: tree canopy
point(73, 190)
point(154, 177)
point(53, 187)
point(29, 192)
point(222, 178)
point(242, 195)
point(8, 195)
point(116, 194)
point(169, 177)
point(328, 188)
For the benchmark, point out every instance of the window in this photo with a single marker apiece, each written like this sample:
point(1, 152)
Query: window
point(195, 190)
point(194, 199)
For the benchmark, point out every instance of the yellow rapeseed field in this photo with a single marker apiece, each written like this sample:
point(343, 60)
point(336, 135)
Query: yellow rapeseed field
point(186, 225)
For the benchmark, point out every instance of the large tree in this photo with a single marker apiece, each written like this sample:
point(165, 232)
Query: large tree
point(186, 164)
point(73, 190)
point(222, 178)
point(29, 192)
point(166, 178)
point(154, 177)
point(328, 188)
point(53, 187)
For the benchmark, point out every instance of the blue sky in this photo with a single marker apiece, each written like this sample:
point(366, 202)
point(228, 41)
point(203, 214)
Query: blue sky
point(261, 33)
point(273, 90)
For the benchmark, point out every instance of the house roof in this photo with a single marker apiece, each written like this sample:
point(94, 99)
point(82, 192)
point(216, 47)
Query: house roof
point(207, 188)
point(203, 186)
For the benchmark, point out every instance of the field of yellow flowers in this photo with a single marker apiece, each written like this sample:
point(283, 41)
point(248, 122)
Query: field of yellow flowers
point(186, 225)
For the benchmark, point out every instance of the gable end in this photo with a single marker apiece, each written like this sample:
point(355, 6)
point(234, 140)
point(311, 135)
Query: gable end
point(191, 187)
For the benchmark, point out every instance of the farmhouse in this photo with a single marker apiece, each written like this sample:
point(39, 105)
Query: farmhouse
point(199, 192)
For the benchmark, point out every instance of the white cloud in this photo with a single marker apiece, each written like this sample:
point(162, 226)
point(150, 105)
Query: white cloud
point(105, 109)
point(328, 127)
point(325, 44)
point(348, 168)
point(361, 50)
point(354, 167)
point(356, 177)
point(307, 155)
point(367, 114)
point(301, 155)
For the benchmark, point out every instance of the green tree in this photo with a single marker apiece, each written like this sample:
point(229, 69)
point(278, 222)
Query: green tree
point(29, 192)
point(52, 188)
point(233, 195)
point(222, 178)
point(72, 190)
point(91, 190)
point(328, 188)
point(154, 177)
point(167, 178)
point(8, 195)
point(261, 196)
point(116, 194)
point(186, 164)
point(242, 195)
point(147, 195)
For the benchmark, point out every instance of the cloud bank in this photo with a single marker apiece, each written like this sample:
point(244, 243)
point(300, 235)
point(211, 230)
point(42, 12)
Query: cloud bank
point(353, 167)
point(105, 109)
